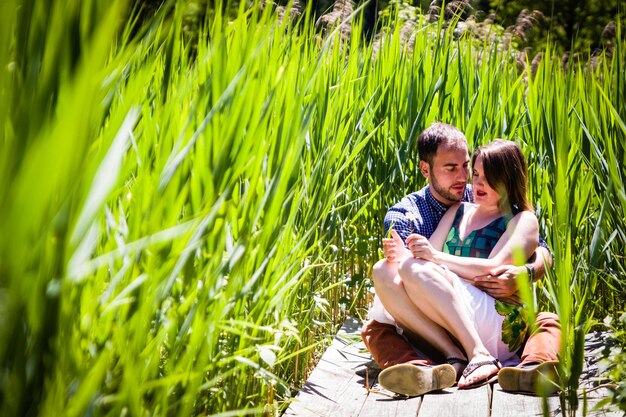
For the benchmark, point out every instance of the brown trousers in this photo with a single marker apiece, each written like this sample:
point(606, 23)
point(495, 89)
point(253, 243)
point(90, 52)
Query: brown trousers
point(390, 348)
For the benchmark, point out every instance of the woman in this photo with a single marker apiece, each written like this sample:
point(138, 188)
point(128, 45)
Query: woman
point(471, 239)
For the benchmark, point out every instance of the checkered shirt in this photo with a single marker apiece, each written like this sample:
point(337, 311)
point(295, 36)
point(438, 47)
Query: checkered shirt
point(420, 212)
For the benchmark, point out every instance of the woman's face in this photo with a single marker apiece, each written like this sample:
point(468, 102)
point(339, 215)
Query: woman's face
point(484, 195)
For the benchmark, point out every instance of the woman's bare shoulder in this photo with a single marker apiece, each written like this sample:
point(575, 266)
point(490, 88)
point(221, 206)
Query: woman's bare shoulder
point(525, 218)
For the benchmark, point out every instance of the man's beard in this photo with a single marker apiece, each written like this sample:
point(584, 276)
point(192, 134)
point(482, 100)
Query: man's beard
point(446, 193)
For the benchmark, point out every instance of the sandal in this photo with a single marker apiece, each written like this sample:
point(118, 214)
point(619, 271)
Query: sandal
point(473, 366)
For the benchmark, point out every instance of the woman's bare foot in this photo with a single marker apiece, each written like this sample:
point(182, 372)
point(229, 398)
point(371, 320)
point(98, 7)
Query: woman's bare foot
point(479, 371)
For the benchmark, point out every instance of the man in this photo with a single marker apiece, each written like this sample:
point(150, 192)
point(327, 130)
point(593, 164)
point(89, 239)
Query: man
point(444, 162)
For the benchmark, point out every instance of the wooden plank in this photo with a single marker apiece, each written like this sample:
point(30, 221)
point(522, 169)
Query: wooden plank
point(606, 411)
point(377, 405)
point(506, 404)
point(590, 410)
point(596, 393)
point(594, 397)
point(453, 402)
point(328, 393)
point(333, 388)
point(383, 403)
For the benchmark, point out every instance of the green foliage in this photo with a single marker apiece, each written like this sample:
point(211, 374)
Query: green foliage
point(181, 236)
point(576, 25)
point(613, 359)
point(403, 10)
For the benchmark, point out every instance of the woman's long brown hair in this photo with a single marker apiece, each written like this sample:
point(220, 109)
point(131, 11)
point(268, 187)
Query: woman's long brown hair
point(506, 172)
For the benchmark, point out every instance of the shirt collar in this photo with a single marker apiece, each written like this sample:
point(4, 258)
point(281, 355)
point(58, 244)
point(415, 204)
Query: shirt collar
point(436, 204)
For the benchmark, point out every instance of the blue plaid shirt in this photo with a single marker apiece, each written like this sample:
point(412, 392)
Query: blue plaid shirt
point(420, 212)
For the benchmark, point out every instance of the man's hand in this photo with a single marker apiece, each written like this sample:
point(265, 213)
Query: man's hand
point(501, 282)
point(393, 248)
point(420, 247)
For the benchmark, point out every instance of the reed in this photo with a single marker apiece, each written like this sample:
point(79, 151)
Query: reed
point(186, 224)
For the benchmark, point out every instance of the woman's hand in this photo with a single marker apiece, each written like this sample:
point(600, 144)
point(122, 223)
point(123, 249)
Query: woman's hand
point(420, 247)
point(393, 248)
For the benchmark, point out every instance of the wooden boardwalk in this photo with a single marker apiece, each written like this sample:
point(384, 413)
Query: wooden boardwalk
point(334, 389)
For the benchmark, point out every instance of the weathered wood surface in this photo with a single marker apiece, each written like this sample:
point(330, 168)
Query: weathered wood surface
point(334, 389)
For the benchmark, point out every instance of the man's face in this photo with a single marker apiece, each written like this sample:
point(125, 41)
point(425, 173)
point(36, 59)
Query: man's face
point(448, 173)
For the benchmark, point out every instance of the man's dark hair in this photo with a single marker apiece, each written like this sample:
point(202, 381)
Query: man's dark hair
point(437, 134)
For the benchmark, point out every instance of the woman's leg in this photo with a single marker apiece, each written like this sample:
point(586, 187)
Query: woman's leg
point(392, 293)
point(426, 285)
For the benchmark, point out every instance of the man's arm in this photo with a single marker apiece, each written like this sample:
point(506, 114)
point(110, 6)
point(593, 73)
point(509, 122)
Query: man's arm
point(501, 282)
point(542, 257)
point(400, 221)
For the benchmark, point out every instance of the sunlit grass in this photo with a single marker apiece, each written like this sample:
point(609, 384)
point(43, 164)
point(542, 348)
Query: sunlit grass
point(182, 236)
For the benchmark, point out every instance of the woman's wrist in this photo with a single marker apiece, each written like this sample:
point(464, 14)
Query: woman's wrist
point(437, 257)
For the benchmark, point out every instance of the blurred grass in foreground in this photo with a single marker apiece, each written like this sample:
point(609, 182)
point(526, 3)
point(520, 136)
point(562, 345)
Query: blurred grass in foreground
point(181, 237)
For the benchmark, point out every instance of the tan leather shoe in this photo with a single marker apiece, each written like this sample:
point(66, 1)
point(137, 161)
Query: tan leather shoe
point(530, 379)
point(414, 380)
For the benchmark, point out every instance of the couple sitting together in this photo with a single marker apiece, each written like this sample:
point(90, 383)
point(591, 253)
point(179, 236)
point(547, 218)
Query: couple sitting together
point(446, 309)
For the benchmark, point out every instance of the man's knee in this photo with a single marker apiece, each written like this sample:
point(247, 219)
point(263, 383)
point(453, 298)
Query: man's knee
point(365, 331)
point(373, 332)
point(375, 328)
point(547, 320)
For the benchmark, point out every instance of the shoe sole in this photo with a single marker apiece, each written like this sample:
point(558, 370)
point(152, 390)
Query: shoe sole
point(528, 380)
point(413, 380)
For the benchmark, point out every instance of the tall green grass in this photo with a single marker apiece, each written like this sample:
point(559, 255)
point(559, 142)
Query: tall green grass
point(182, 236)
point(578, 138)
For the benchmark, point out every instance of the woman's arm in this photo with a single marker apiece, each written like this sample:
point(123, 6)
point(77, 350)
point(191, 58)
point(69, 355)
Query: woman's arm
point(520, 237)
